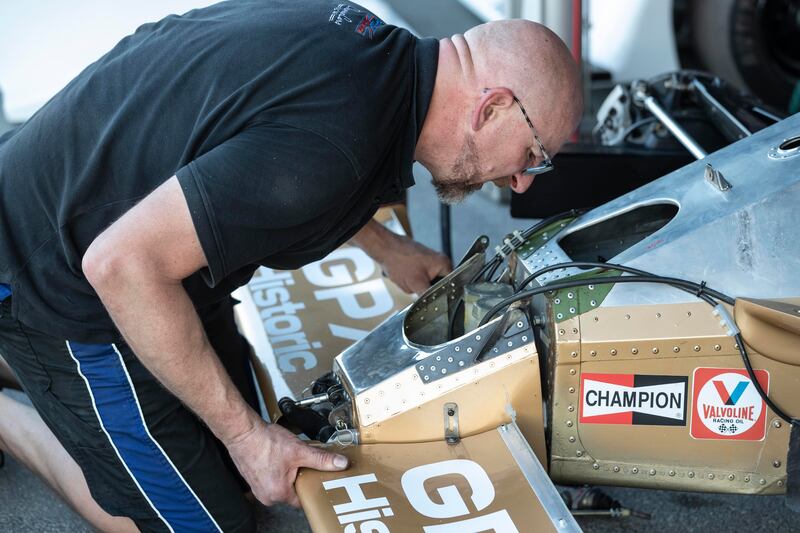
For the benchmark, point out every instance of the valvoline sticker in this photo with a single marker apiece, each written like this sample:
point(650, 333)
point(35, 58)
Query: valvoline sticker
point(727, 405)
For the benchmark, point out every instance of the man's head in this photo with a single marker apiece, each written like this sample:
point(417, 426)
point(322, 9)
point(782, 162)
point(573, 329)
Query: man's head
point(476, 130)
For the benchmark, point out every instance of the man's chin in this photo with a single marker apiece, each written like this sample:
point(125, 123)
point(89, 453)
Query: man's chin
point(454, 193)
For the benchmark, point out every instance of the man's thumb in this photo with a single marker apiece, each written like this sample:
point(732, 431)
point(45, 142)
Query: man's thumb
point(319, 459)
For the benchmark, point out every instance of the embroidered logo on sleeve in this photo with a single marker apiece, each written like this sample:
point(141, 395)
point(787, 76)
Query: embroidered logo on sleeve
point(368, 25)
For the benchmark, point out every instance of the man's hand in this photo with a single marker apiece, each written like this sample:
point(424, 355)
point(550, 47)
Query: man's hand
point(409, 264)
point(269, 457)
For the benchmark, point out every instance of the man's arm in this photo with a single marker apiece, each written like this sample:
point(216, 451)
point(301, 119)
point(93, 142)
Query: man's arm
point(409, 264)
point(137, 266)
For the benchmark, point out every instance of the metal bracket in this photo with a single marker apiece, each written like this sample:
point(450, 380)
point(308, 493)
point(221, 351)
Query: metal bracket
point(451, 433)
point(715, 178)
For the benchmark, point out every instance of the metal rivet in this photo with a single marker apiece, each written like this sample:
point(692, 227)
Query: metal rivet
point(572, 389)
point(461, 363)
point(570, 408)
point(635, 470)
point(780, 483)
point(572, 439)
point(469, 350)
point(593, 353)
point(676, 349)
point(574, 330)
point(777, 423)
point(422, 367)
point(449, 359)
point(658, 315)
point(776, 463)
point(572, 310)
point(711, 476)
point(438, 357)
point(747, 479)
point(561, 332)
point(655, 350)
point(717, 347)
point(696, 348)
point(557, 301)
point(591, 287)
point(596, 319)
point(593, 302)
point(634, 351)
point(627, 317)
point(762, 481)
point(574, 354)
point(691, 474)
point(477, 337)
point(572, 371)
point(433, 368)
point(569, 423)
point(616, 469)
point(458, 348)
point(510, 344)
point(366, 400)
point(613, 351)
point(444, 371)
point(524, 338)
point(579, 453)
point(570, 295)
point(652, 472)
point(671, 473)
point(688, 313)
point(596, 466)
point(731, 477)
point(520, 324)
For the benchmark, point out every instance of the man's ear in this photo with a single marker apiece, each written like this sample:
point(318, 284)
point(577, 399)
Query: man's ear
point(491, 101)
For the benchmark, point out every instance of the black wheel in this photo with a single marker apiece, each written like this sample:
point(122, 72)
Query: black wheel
point(753, 43)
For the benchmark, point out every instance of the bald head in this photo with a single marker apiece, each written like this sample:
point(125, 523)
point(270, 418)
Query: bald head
point(537, 66)
point(474, 131)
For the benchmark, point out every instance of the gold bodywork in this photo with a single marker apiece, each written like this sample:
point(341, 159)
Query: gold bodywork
point(384, 467)
point(673, 339)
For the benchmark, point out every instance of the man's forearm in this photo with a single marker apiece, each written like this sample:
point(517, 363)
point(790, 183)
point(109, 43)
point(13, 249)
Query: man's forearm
point(373, 238)
point(159, 322)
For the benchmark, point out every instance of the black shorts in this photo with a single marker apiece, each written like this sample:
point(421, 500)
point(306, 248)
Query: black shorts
point(144, 454)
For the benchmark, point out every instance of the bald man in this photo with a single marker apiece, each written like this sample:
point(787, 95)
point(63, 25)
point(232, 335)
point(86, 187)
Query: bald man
point(248, 133)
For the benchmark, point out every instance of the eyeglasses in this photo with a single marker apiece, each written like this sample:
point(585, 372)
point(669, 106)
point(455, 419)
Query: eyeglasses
point(546, 165)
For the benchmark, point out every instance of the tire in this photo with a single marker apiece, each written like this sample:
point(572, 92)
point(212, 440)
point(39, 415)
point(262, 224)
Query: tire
point(751, 43)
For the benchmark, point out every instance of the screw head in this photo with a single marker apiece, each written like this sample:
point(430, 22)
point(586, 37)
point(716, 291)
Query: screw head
point(451, 412)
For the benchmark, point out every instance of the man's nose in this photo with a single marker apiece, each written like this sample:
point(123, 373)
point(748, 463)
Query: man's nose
point(520, 182)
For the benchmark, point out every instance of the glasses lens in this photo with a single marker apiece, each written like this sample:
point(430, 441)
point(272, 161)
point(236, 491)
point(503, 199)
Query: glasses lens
point(544, 166)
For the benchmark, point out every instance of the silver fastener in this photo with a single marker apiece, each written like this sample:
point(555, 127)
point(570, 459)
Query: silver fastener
point(655, 351)
point(762, 481)
point(711, 476)
point(717, 347)
point(570, 408)
point(596, 466)
point(574, 354)
point(593, 302)
point(676, 349)
point(572, 310)
point(671, 473)
point(731, 477)
point(652, 472)
point(579, 453)
point(569, 423)
point(777, 423)
point(469, 349)
point(572, 371)
point(560, 316)
point(593, 353)
point(613, 351)
point(572, 439)
point(696, 348)
point(634, 351)
point(635, 470)
point(691, 474)
point(572, 389)
point(616, 469)
point(776, 463)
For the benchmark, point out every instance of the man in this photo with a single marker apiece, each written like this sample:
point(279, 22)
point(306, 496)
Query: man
point(247, 133)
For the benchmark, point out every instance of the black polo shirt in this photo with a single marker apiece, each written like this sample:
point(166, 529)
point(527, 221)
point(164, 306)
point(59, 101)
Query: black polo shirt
point(287, 123)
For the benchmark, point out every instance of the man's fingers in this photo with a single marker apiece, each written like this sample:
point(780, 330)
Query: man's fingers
point(319, 459)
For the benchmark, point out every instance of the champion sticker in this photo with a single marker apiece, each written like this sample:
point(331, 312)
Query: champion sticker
point(727, 405)
point(633, 399)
